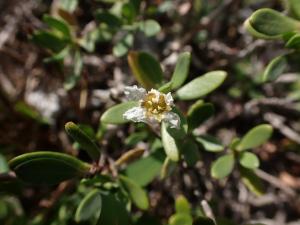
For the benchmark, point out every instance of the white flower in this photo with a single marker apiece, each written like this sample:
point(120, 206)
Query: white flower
point(154, 107)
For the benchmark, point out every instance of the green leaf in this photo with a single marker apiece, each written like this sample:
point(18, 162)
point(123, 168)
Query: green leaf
point(204, 221)
point(270, 24)
point(30, 112)
point(294, 8)
point(108, 18)
point(58, 25)
point(255, 137)
point(68, 5)
point(252, 181)
point(146, 69)
point(89, 207)
point(202, 85)
point(129, 12)
point(3, 164)
point(181, 70)
point(47, 167)
point(144, 170)
point(122, 47)
point(249, 160)
point(113, 212)
point(49, 40)
point(182, 205)
point(181, 219)
point(169, 143)
point(114, 115)
point(83, 139)
point(198, 113)
point(135, 192)
point(223, 166)
point(293, 42)
point(190, 152)
point(210, 143)
point(150, 27)
point(60, 56)
point(275, 68)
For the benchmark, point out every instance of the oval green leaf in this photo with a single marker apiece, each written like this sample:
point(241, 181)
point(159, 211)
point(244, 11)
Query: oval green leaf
point(293, 42)
point(181, 219)
point(3, 164)
point(270, 24)
point(252, 181)
point(255, 137)
point(202, 85)
point(114, 115)
point(137, 195)
point(222, 167)
point(181, 70)
point(275, 68)
point(210, 143)
point(89, 207)
point(249, 160)
point(294, 8)
point(146, 69)
point(47, 167)
point(150, 27)
point(169, 143)
point(83, 139)
point(58, 25)
point(144, 170)
point(198, 113)
point(182, 205)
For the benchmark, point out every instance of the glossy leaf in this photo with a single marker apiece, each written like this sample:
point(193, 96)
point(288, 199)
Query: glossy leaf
point(150, 27)
point(68, 5)
point(89, 207)
point(275, 68)
point(169, 143)
point(198, 113)
point(181, 70)
point(182, 205)
point(249, 160)
point(293, 42)
point(135, 192)
point(49, 40)
point(58, 25)
point(144, 170)
point(146, 69)
point(255, 137)
point(222, 167)
point(252, 181)
point(83, 139)
point(114, 115)
point(190, 152)
point(270, 24)
point(113, 211)
point(3, 164)
point(108, 18)
point(294, 8)
point(47, 167)
point(202, 85)
point(210, 143)
point(181, 219)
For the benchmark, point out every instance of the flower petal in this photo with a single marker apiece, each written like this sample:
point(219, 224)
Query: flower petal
point(136, 114)
point(172, 119)
point(133, 93)
point(169, 99)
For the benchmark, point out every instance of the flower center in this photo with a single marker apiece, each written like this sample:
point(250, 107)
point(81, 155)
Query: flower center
point(155, 105)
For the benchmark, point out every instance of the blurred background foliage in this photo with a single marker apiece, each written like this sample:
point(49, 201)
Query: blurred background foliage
point(66, 60)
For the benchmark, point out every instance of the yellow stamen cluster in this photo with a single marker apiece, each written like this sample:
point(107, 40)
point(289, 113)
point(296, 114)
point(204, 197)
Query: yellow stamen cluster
point(155, 105)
